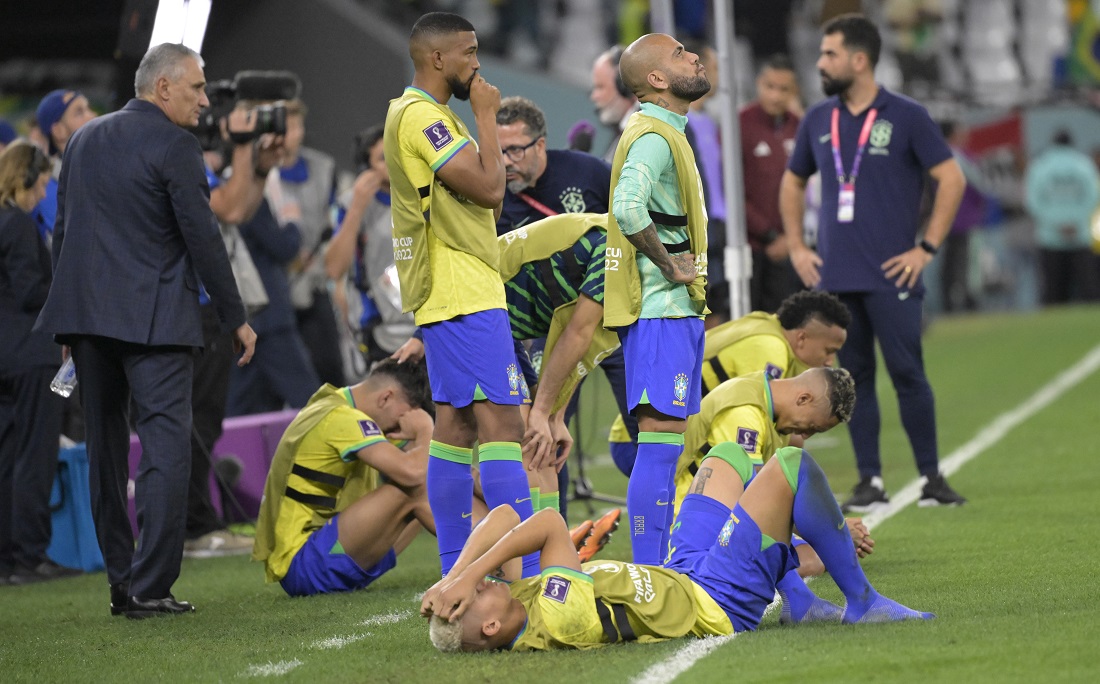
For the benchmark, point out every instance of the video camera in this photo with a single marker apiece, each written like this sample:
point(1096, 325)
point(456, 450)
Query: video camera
point(270, 88)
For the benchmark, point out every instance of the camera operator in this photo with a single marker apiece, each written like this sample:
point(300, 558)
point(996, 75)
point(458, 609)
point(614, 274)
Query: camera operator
point(363, 246)
point(307, 178)
point(234, 199)
point(281, 373)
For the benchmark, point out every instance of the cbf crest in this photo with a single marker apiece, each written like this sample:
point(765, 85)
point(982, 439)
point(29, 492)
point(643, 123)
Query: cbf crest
point(880, 136)
point(572, 200)
point(513, 379)
point(727, 531)
point(679, 389)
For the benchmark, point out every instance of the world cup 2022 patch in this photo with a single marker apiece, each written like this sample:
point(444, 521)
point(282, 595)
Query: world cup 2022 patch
point(438, 135)
point(747, 439)
point(370, 428)
point(557, 588)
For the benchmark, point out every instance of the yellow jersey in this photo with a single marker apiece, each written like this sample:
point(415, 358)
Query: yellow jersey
point(421, 136)
point(754, 342)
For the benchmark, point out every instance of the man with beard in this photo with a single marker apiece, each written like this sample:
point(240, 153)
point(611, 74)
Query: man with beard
point(873, 149)
point(655, 275)
point(611, 97)
point(444, 189)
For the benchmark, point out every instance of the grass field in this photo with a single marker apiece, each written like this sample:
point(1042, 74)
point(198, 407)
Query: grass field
point(1011, 576)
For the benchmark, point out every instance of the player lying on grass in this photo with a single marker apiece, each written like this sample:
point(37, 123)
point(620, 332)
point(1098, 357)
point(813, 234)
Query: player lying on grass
point(342, 499)
point(728, 550)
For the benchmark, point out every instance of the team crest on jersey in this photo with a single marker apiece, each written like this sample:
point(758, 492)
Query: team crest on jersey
point(438, 135)
point(524, 389)
point(773, 371)
point(747, 439)
point(572, 200)
point(680, 389)
point(557, 588)
point(881, 133)
point(370, 428)
point(513, 378)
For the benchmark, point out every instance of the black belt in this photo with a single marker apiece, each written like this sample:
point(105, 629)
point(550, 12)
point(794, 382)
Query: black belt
point(719, 372)
point(624, 632)
point(311, 499)
point(675, 220)
point(317, 476)
point(678, 248)
point(424, 191)
point(693, 467)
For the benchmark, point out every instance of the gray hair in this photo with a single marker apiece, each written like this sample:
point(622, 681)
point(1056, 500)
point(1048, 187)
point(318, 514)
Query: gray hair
point(164, 60)
point(446, 636)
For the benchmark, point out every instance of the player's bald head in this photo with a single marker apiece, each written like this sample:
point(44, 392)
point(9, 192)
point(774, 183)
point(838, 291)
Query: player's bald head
point(642, 57)
point(435, 31)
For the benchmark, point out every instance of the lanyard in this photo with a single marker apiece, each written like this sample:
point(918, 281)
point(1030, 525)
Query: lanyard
point(536, 205)
point(863, 136)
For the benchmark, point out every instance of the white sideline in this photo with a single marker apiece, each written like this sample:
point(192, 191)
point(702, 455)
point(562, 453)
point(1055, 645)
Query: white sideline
point(684, 658)
point(271, 669)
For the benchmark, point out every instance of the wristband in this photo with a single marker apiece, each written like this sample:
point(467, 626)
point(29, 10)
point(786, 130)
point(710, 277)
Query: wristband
point(928, 247)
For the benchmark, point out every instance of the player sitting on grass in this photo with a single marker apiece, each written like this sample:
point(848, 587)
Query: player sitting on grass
point(328, 522)
point(728, 550)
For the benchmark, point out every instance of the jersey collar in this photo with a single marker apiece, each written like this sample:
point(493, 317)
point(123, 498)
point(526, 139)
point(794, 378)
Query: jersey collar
point(677, 121)
point(346, 391)
point(768, 395)
point(422, 93)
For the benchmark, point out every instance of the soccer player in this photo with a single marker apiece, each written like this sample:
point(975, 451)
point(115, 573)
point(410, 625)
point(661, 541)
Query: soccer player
point(807, 332)
point(655, 294)
point(444, 189)
point(327, 521)
point(727, 555)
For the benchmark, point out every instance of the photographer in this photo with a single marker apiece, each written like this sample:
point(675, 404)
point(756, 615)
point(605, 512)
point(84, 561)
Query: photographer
point(363, 245)
point(229, 141)
point(282, 373)
point(307, 179)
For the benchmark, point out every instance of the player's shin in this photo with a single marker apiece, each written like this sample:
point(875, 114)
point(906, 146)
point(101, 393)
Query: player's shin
point(504, 481)
point(450, 496)
point(649, 495)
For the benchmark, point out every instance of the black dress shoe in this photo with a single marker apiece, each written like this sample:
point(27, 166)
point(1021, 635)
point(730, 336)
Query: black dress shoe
point(44, 571)
point(119, 598)
point(141, 608)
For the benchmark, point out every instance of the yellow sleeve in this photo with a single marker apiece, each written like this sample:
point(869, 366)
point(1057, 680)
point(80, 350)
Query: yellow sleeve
point(744, 425)
point(756, 353)
point(347, 430)
point(427, 135)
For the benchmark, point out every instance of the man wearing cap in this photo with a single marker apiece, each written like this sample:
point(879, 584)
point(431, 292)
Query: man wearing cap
point(59, 115)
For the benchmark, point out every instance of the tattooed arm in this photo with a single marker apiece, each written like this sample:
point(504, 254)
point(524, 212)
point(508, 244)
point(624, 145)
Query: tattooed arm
point(678, 269)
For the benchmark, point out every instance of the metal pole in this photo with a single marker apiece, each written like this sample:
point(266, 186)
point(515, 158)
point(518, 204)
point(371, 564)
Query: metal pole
point(738, 258)
point(660, 16)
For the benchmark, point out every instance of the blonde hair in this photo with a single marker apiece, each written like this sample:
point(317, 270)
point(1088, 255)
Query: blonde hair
point(17, 162)
point(446, 636)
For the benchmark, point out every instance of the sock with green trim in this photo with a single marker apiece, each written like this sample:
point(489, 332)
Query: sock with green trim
point(450, 496)
point(649, 495)
point(820, 522)
point(800, 604)
point(504, 481)
point(550, 500)
point(536, 498)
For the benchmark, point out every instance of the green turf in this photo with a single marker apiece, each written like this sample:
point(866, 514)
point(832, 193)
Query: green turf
point(1011, 575)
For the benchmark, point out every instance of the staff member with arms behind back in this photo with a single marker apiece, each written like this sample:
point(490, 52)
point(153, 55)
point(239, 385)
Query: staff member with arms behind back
point(134, 237)
point(873, 149)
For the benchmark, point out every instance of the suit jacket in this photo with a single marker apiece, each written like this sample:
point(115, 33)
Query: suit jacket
point(24, 282)
point(135, 235)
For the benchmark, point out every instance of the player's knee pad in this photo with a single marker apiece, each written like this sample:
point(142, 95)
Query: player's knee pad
point(733, 454)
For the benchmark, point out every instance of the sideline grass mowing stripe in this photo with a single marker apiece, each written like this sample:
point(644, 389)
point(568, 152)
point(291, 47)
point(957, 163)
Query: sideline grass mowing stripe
point(682, 660)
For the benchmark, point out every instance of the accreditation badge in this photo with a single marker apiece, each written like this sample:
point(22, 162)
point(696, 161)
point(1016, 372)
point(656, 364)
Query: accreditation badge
point(846, 203)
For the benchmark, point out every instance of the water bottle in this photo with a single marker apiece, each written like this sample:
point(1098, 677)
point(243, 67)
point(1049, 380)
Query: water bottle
point(65, 380)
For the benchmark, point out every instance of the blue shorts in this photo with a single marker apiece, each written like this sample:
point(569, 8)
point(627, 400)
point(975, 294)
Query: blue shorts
point(720, 551)
point(322, 567)
point(664, 364)
point(471, 358)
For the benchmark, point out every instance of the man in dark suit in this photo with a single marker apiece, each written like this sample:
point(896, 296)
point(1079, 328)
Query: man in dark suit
point(134, 237)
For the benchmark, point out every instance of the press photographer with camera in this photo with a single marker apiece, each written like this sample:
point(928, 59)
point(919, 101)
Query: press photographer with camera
point(282, 374)
point(232, 138)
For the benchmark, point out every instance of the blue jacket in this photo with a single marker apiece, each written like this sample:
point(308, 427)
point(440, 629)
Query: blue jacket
point(135, 234)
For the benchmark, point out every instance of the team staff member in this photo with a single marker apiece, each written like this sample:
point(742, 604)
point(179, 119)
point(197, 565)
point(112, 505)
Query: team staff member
point(873, 149)
point(444, 188)
point(655, 295)
point(726, 558)
point(328, 522)
point(130, 248)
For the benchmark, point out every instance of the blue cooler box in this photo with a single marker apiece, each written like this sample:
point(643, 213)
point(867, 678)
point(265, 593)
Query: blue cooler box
point(73, 543)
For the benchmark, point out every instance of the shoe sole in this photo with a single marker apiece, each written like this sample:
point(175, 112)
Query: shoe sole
point(867, 508)
point(934, 503)
point(602, 541)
